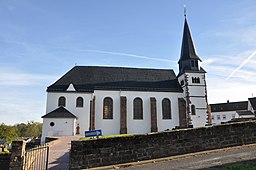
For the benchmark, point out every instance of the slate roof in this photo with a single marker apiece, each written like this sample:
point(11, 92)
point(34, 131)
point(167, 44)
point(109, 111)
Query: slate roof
point(253, 102)
point(243, 113)
point(188, 70)
point(60, 112)
point(230, 106)
point(187, 48)
point(90, 78)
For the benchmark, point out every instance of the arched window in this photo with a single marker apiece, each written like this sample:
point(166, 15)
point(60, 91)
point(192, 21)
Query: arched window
point(166, 109)
point(195, 80)
point(137, 108)
point(79, 102)
point(193, 109)
point(108, 108)
point(62, 101)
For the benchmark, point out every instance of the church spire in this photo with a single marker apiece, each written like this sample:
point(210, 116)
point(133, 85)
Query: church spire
point(188, 56)
point(187, 48)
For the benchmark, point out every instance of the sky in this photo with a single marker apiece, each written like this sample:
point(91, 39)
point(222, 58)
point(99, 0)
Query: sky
point(41, 40)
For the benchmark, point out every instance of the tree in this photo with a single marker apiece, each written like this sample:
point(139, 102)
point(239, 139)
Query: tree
point(21, 129)
point(34, 129)
point(8, 132)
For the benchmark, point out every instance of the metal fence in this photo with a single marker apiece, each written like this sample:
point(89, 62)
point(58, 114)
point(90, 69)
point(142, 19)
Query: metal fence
point(37, 158)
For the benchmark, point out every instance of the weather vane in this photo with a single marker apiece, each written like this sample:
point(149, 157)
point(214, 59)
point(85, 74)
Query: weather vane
point(185, 11)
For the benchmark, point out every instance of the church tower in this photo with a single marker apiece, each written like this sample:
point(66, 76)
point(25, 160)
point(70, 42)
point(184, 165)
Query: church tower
point(193, 82)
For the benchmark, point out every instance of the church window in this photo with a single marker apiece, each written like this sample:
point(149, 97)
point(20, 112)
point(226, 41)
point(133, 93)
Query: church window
point(62, 101)
point(193, 63)
point(182, 82)
point(166, 109)
point(79, 102)
point(137, 108)
point(218, 117)
point(196, 64)
point(52, 124)
point(195, 80)
point(108, 108)
point(224, 117)
point(193, 109)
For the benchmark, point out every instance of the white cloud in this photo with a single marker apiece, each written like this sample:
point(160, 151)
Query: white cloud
point(241, 65)
point(22, 95)
point(221, 90)
point(12, 77)
point(123, 54)
point(19, 105)
point(231, 77)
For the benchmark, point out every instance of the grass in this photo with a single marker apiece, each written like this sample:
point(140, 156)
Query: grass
point(108, 136)
point(240, 166)
point(5, 152)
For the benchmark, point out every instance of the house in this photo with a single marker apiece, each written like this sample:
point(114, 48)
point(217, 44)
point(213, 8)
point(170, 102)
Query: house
point(121, 100)
point(224, 112)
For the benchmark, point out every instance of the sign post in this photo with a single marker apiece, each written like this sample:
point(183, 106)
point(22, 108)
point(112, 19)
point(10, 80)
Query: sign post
point(93, 133)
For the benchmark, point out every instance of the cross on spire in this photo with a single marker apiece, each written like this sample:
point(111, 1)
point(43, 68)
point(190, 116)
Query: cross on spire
point(185, 11)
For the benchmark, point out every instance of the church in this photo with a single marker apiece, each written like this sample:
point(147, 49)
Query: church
point(120, 100)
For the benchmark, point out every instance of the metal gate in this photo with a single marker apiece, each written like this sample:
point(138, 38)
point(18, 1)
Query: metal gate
point(37, 158)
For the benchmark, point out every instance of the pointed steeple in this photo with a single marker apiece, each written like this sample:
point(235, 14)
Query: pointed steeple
point(189, 60)
point(187, 49)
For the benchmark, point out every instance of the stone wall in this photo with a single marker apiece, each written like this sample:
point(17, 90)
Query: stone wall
point(5, 161)
point(93, 153)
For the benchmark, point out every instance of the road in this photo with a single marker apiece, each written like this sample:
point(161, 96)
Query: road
point(203, 160)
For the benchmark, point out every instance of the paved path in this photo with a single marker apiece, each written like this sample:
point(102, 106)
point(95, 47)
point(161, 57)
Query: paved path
point(206, 160)
point(59, 153)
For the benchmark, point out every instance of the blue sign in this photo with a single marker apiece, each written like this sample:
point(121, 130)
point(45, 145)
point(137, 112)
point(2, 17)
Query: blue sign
point(93, 133)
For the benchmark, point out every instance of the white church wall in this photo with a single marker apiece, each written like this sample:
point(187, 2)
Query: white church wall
point(164, 124)
point(82, 113)
point(144, 126)
point(108, 126)
point(196, 91)
point(200, 118)
point(138, 126)
point(58, 127)
point(112, 126)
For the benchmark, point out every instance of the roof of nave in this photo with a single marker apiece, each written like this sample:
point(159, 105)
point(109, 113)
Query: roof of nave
point(245, 113)
point(253, 102)
point(60, 112)
point(230, 106)
point(90, 78)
